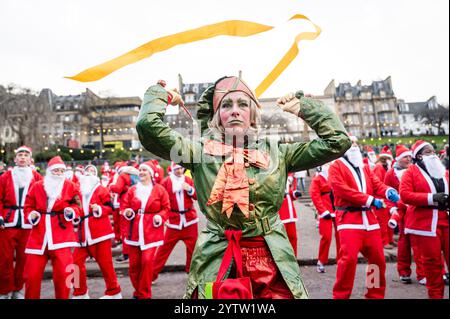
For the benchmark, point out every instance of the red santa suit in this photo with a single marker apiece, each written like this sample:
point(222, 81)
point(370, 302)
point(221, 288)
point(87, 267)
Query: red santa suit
point(321, 196)
point(14, 186)
point(94, 236)
point(124, 181)
point(52, 235)
point(359, 231)
point(428, 222)
point(288, 213)
point(150, 206)
point(182, 221)
point(383, 214)
point(398, 217)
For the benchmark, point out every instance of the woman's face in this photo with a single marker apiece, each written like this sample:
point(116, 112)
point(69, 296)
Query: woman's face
point(235, 112)
point(144, 175)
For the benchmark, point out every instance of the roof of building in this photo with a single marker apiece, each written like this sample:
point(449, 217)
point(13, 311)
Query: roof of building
point(375, 88)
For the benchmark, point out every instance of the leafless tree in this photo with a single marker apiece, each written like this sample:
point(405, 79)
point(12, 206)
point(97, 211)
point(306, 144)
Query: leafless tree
point(435, 117)
point(22, 111)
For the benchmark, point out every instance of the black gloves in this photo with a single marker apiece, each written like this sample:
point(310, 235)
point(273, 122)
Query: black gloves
point(440, 198)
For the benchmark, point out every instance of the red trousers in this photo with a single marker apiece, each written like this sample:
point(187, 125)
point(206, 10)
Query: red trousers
point(103, 255)
point(369, 243)
point(405, 245)
point(12, 240)
point(141, 271)
point(116, 224)
point(258, 264)
point(387, 233)
point(188, 235)
point(432, 249)
point(62, 263)
point(326, 232)
point(291, 230)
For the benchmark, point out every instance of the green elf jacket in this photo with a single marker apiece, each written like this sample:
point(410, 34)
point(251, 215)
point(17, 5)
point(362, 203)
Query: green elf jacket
point(266, 194)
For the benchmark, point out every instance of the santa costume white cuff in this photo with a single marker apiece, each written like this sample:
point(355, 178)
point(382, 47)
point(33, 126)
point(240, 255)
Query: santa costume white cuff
point(393, 210)
point(36, 221)
point(191, 191)
point(129, 217)
point(98, 213)
point(157, 220)
point(69, 214)
point(324, 214)
point(392, 223)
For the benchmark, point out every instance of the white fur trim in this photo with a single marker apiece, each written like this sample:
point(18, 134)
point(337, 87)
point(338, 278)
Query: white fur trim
point(289, 220)
point(24, 149)
point(420, 147)
point(68, 211)
point(148, 168)
point(387, 191)
point(157, 220)
point(191, 191)
point(38, 219)
point(430, 199)
point(325, 213)
point(51, 168)
point(404, 154)
point(369, 201)
point(393, 210)
point(99, 213)
point(131, 217)
point(392, 223)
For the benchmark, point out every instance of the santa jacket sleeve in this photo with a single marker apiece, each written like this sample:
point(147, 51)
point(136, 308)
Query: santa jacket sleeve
point(409, 196)
point(343, 190)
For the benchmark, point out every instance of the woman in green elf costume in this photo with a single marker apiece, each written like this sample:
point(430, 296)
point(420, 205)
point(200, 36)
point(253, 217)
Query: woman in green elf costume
point(240, 178)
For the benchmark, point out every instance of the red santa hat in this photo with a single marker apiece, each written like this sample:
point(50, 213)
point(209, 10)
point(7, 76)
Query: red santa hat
point(149, 166)
point(118, 166)
point(370, 150)
point(386, 152)
point(24, 148)
point(175, 166)
point(56, 162)
point(418, 145)
point(79, 168)
point(402, 151)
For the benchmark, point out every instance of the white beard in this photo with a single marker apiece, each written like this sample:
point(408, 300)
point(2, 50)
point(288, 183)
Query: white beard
point(177, 183)
point(355, 157)
point(434, 166)
point(87, 184)
point(78, 174)
point(22, 176)
point(69, 174)
point(143, 193)
point(372, 158)
point(399, 172)
point(53, 185)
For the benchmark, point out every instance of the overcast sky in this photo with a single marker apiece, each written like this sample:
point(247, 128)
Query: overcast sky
point(43, 41)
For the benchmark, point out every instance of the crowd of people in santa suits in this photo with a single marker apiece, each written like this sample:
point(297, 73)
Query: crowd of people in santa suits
point(69, 216)
point(64, 217)
point(365, 199)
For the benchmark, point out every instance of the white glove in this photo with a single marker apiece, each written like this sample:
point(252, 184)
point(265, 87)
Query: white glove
point(96, 210)
point(34, 218)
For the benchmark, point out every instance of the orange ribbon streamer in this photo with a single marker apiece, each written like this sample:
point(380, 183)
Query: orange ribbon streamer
point(231, 27)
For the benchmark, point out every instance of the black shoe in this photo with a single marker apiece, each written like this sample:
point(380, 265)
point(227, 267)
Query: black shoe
point(122, 259)
point(405, 279)
point(446, 279)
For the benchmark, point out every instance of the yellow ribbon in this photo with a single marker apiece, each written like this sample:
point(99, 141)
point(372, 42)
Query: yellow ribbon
point(232, 28)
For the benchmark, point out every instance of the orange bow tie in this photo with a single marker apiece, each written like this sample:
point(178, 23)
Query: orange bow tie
point(231, 185)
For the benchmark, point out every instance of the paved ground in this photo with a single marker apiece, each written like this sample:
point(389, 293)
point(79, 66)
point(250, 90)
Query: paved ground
point(171, 283)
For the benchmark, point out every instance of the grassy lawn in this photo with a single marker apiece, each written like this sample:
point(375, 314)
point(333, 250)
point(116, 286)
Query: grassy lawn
point(438, 141)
